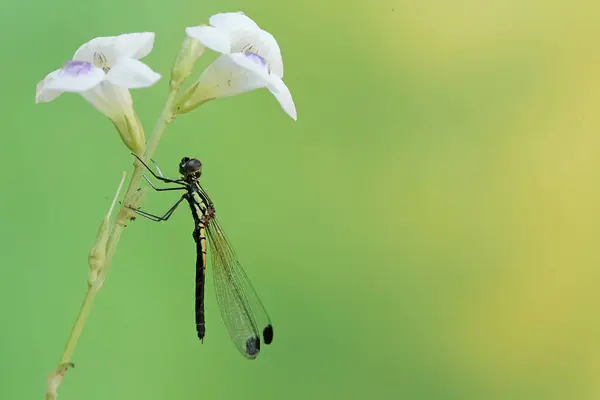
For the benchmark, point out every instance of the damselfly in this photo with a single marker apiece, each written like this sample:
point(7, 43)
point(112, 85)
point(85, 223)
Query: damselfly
point(243, 313)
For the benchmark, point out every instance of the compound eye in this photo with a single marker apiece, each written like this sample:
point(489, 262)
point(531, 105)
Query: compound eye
point(183, 164)
point(193, 166)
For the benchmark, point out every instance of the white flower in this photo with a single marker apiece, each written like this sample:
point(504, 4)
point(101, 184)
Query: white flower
point(251, 59)
point(102, 71)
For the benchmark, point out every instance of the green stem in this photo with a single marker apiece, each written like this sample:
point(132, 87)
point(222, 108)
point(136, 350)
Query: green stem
point(87, 305)
point(165, 119)
point(123, 216)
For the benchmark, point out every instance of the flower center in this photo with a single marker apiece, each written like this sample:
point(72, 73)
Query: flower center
point(249, 48)
point(76, 68)
point(100, 61)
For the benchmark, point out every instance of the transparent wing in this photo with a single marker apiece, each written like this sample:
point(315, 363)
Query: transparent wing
point(243, 313)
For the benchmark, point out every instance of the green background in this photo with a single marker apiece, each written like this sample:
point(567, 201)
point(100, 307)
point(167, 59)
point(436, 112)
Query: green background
point(427, 229)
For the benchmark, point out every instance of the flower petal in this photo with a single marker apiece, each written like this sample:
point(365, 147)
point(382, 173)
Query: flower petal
point(134, 45)
point(262, 43)
point(283, 96)
point(104, 52)
point(75, 76)
point(222, 78)
point(233, 21)
point(257, 65)
point(96, 50)
point(45, 95)
point(213, 38)
point(132, 74)
point(97, 99)
point(119, 98)
point(252, 62)
point(271, 52)
point(42, 93)
point(227, 76)
point(111, 100)
point(246, 35)
point(115, 103)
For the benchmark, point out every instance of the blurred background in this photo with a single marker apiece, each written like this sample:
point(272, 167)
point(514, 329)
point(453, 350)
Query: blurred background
point(427, 229)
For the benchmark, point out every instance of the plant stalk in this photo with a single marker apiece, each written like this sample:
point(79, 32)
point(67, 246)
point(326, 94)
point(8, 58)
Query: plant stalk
point(132, 199)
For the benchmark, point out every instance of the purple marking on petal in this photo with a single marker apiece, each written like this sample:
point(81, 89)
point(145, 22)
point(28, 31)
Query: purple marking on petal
point(256, 58)
point(76, 68)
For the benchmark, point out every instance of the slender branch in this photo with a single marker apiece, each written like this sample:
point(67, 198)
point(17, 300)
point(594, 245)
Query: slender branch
point(133, 199)
point(125, 213)
point(55, 377)
point(87, 305)
point(166, 118)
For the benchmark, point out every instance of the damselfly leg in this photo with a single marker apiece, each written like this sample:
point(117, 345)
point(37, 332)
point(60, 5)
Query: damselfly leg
point(170, 212)
point(157, 218)
point(157, 168)
point(163, 189)
point(159, 177)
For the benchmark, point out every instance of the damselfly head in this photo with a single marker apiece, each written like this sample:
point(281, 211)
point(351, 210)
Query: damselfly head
point(190, 167)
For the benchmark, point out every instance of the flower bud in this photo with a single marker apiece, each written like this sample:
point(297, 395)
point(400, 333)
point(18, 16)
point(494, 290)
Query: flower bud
point(191, 50)
point(97, 254)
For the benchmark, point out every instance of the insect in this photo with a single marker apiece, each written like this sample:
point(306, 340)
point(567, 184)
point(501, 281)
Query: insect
point(241, 309)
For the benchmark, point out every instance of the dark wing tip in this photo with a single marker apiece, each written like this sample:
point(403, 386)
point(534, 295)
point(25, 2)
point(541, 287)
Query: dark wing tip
point(268, 334)
point(252, 346)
